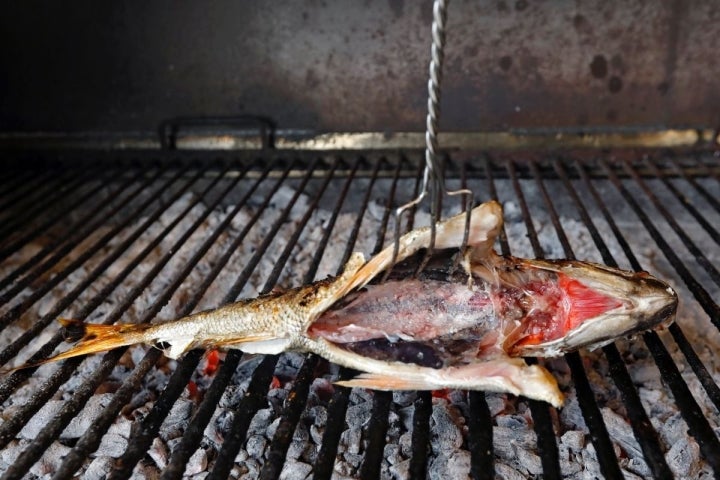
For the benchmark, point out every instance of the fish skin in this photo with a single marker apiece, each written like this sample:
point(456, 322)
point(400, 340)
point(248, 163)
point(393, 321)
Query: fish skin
point(277, 322)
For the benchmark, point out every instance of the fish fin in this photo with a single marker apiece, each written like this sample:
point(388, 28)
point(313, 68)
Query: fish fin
point(260, 344)
point(378, 381)
point(92, 338)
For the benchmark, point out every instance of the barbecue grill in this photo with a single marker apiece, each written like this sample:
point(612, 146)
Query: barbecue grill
point(110, 226)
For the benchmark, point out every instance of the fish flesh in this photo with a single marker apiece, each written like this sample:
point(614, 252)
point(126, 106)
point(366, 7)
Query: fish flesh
point(465, 322)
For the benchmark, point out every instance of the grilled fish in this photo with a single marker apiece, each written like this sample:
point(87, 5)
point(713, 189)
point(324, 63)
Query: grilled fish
point(463, 328)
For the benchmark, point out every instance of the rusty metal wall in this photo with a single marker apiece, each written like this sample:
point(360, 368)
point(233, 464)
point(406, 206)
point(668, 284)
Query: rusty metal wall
point(359, 65)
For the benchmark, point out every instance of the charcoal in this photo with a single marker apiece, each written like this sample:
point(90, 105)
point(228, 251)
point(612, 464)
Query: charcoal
point(33, 427)
point(513, 422)
point(360, 395)
point(405, 443)
point(351, 439)
point(309, 453)
point(455, 465)
point(632, 476)
point(299, 442)
point(159, 453)
point(294, 470)
point(445, 434)
point(354, 459)
point(87, 415)
point(497, 403)
point(9, 454)
point(260, 422)
point(112, 445)
point(400, 470)
point(571, 415)
point(197, 463)
point(682, 458)
point(590, 462)
point(671, 430)
point(51, 460)
point(392, 454)
point(344, 470)
point(573, 440)
point(176, 421)
point(358, 414)
point(504, 471)
point(99, 468)
point(316, 433)
point(530, 461)
point(255, 446)
point(621, 432)
point(394, 425)
point(241, 456)
point(277, 398)
point(406, 416)
point(404, 398)
point(272, 428)
point(318, 414)
point(253, 469)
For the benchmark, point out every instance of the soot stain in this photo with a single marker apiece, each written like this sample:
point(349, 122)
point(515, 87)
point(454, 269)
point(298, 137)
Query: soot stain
point(615, 84)
point(599, 66)
point(505, 62)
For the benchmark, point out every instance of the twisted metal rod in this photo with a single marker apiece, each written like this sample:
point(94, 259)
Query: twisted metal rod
point(433, 180)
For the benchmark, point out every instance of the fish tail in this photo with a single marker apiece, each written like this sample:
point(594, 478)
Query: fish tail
point(93, 338)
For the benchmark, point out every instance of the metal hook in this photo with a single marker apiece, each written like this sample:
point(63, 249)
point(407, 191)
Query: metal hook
point(433, 179)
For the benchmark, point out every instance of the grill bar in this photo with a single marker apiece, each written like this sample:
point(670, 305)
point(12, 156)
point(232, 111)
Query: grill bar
point(261, 378)
point(598, 432)
point(54, 219)
point(299, 394)
point(140, 442)
point(547, 444)
point(642, 428)
point(18, 207)
point(22, 181)
point(338, 404)
point(83, 227)
point(10, 428)
point(91, 440)
point(685, 202)
point(707, 196)
point(379, 421)
point(21, 307)
point(700, 258)
point(531, 185)
point(71, 408)
point(699, 427)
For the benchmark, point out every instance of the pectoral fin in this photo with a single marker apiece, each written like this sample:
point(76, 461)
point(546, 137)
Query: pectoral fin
point(267, 344)
point(378, 381)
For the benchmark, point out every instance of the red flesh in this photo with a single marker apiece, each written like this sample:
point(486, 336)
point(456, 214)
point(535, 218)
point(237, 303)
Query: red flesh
point(560, 307)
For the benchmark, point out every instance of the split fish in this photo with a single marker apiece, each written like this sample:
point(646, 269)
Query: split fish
point(466, 327)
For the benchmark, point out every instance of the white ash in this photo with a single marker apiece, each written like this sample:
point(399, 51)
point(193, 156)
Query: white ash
point(514, 438)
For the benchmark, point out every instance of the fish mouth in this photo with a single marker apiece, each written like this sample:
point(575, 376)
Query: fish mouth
point(595, 310)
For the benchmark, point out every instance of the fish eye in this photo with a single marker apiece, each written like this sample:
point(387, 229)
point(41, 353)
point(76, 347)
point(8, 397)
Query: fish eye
point(163, 345)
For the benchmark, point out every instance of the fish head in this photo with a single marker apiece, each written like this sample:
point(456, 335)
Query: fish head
point(584, 304)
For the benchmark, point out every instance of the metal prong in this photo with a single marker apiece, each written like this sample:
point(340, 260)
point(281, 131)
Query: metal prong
point(433, 178)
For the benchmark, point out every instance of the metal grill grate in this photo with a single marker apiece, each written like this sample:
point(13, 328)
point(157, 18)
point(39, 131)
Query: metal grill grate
point(116, 239)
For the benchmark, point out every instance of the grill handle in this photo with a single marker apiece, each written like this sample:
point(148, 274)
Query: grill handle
point(169, 129)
